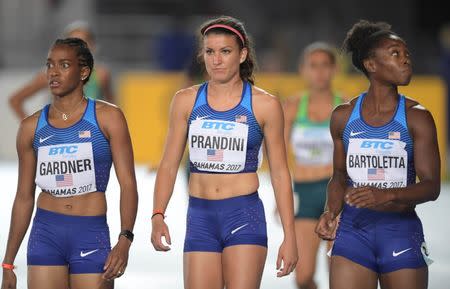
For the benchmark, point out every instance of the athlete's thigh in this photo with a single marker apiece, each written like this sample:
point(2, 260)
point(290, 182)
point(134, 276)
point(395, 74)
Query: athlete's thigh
point(243, 266)
point(91, 281)
point(48, 277)
point(202, 270)
point(345, 274)
point(308, 244)
point(405, 279)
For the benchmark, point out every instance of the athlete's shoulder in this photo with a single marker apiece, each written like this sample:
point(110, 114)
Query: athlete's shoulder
point(108, 114)
point(102, 106)
point(188, 92)
point(28, 125)
point(341, 114)
point(345, 108)
point(412, 104)
point(416, 112)
point(184, 99)
point(261, 96)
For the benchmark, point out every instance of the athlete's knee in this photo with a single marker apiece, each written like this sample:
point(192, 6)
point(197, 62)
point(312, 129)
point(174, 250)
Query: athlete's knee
point(305, 280)
point(307, 284)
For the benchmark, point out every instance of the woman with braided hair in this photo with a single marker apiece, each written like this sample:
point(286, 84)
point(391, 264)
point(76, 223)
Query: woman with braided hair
point(382, 142)
point(67, 149)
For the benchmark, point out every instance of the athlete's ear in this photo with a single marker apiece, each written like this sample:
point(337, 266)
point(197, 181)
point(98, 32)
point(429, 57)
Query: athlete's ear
point(85, 70)
point(243, 56)
point(370, 65)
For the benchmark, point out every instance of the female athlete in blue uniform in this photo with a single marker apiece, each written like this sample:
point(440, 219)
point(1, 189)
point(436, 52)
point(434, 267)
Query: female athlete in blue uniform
point(307, 121)
point(225, 120)
point(98, 86)
point(382, 142)
point(67, 149)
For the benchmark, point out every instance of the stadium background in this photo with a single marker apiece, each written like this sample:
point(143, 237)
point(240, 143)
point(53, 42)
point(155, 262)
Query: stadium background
point(149, 45)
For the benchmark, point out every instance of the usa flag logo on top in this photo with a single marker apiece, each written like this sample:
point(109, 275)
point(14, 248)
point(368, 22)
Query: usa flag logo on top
point(394, 135)
point(84, 134)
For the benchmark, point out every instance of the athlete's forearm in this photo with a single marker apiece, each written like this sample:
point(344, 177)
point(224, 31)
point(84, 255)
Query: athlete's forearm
point(17, 106)
point(284, 200)
point(164, 184)
point(421, 192)
point(335, 194)
point(20, 220)
point(128, 208)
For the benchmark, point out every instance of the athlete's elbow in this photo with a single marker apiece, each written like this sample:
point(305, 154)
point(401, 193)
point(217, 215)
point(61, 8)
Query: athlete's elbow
point(436, 194)
point(435, 191)
point(13, 102)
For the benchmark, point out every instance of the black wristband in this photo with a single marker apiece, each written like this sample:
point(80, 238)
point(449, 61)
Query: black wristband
point(127, 234)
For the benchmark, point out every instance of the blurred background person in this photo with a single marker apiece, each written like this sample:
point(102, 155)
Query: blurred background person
point(307, 120)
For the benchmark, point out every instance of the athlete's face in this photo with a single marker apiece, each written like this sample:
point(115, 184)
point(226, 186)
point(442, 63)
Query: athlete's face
point(318, 70)
point(64, 74)
point(390, 63)
point(222, 56)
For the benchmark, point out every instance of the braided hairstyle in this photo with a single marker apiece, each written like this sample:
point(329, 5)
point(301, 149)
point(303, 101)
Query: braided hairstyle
point(363, 38)
point(247, 67)
point(84, 55)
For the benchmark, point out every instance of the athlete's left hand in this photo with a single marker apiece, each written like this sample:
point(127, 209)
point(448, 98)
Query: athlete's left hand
point(288, 255)
point(365, 197)
point(117, 260)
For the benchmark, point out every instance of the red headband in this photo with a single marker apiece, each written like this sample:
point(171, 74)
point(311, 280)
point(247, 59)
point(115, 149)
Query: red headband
point(228, 28)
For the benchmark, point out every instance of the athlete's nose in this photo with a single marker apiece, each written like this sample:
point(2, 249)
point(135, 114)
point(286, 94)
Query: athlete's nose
point(52, 71)
point(217, 59)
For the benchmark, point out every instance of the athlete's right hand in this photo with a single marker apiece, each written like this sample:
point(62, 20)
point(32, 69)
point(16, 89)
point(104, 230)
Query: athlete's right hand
point(9, 279)
point(326, 227)
point(160, 229)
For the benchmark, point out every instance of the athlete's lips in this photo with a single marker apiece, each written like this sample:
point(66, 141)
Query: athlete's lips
point(54, 83)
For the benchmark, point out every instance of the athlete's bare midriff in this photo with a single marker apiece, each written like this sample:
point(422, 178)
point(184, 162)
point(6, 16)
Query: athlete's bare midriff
point(91, 204)
point(222, 186)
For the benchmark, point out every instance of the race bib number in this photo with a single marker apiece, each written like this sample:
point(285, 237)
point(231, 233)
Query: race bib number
point(377, 162)
point(217, 145)
point(66, 170)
